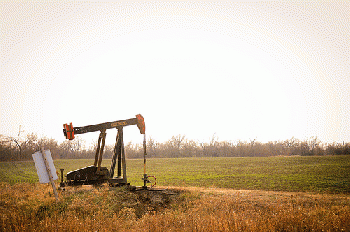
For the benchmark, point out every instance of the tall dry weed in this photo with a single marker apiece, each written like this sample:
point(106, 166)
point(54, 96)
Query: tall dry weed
point(32, 207)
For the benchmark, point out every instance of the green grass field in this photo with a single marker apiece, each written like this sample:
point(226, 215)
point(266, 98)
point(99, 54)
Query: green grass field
point(326, 174)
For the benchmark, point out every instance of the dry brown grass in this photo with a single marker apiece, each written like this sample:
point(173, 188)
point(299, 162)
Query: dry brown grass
point(31, 207)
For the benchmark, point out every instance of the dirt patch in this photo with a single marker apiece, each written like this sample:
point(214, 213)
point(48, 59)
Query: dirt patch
point(158, 197)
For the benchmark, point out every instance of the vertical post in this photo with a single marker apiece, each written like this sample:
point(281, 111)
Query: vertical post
point(123, 155)
point(49, 173)
point(145, 178)
point(119, 151)
point(116, 155)
point(61, 176)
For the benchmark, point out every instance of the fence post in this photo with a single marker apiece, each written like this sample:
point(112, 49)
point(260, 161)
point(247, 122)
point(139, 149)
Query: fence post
point(49, 173)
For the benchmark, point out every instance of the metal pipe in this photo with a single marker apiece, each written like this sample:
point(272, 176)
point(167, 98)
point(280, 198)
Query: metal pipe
point(61, 175)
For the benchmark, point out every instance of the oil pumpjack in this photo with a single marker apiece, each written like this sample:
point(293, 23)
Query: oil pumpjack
point(95, 174)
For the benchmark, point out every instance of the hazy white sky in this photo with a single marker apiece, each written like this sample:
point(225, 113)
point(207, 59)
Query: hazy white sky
point(242, 70)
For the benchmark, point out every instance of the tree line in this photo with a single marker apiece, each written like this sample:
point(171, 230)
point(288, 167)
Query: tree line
point(12, 149)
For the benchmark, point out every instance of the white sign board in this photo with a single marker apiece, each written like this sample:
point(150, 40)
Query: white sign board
point(41, 168)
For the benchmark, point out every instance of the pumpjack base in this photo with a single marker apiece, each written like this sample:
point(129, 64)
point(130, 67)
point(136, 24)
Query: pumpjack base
point(118, 182)
point(121, 181)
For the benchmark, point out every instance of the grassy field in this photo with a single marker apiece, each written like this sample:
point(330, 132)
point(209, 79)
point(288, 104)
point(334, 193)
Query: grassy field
point(326, 174)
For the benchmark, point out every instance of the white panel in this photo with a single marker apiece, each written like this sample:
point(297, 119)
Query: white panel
point(41, 168)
